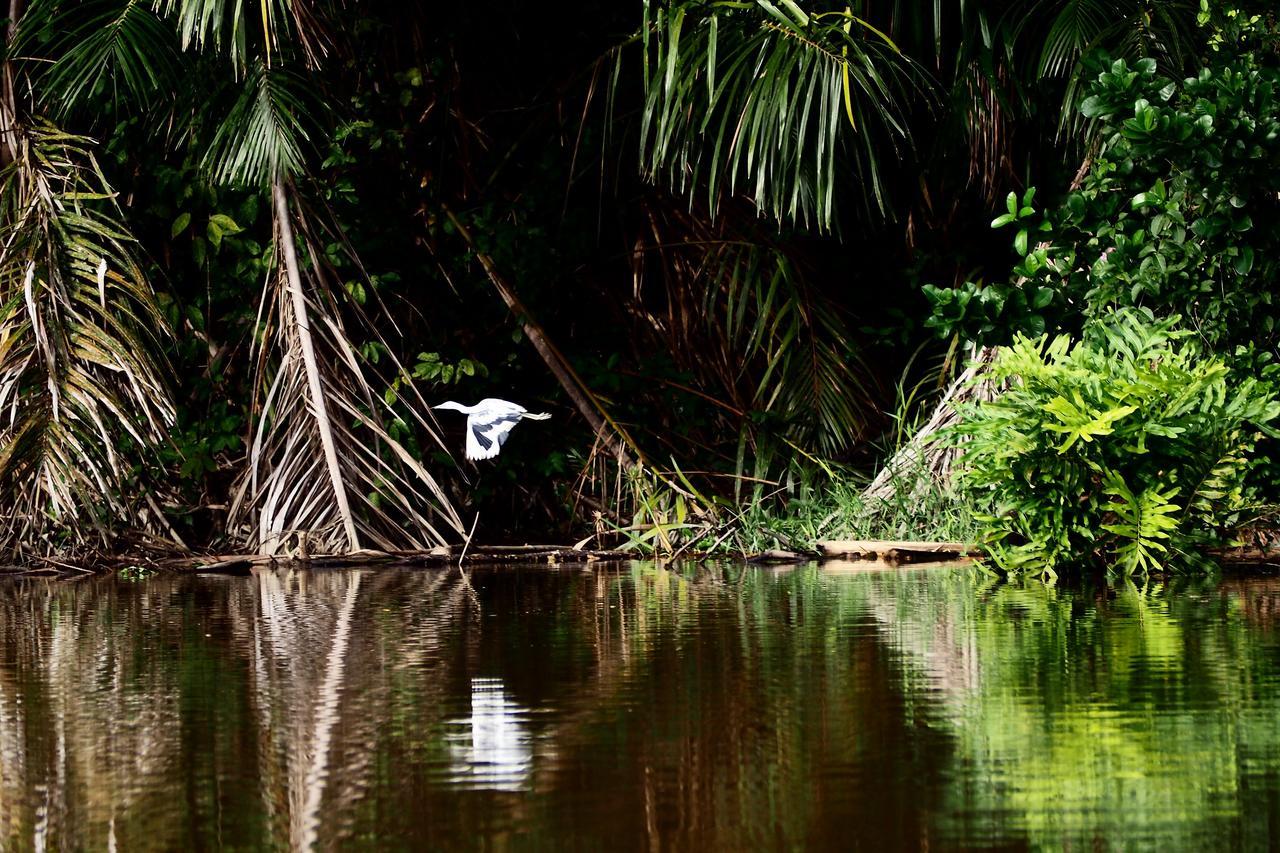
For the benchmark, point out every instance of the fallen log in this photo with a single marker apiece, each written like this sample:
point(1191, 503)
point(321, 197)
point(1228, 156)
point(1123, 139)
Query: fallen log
point(1246, 555)
point(861, 566)
point(895, 551)
point(225, 567)
point(780, 557)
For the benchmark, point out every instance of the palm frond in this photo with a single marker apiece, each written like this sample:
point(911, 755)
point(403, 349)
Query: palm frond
point(323, 460)
point(1073, 27)
point(118, 42)
point(812, 377)
point(83, 392)
point(1067, 32)
point(248, 32)
point(742, 317)
point(264, 134)
point(743, 98)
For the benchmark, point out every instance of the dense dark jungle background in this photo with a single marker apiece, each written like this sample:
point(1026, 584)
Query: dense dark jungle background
point(723, 219)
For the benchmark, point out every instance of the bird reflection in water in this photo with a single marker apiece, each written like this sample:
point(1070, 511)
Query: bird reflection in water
point(492, 748)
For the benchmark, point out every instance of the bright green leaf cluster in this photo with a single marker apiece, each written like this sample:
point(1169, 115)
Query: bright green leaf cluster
point(1177, 215)
point(1130, 446)
point(433, 368)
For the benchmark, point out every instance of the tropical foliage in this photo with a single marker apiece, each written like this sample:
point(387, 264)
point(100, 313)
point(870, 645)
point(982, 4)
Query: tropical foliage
point(83, 383)
point(756, 98)
point(696, 232)
point(321, 461)
point(1129, 446)
point(1177, 213)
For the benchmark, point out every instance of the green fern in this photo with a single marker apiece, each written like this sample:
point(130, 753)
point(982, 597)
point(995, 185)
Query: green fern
point(1145, 522)
point(1129, 443)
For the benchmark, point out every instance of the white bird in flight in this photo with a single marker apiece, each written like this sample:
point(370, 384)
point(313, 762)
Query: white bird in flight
point(489, 422)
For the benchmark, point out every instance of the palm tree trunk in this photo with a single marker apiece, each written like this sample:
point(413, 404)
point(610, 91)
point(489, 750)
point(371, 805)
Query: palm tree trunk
point(314, 385)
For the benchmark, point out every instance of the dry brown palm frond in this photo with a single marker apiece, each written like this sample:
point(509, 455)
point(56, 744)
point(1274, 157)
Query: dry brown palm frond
point(322, 461)
point(83, 391)
point(738, 313)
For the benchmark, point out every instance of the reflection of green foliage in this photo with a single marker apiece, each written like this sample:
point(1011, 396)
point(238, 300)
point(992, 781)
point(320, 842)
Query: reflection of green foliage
point(1115, 718)
point(136, 573)
point(714, 705)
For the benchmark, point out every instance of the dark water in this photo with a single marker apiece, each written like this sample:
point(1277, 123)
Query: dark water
point(712, 708)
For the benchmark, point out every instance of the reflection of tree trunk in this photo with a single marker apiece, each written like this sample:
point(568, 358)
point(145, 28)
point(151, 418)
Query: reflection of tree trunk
point(305, 637)
point(326, 714)
point(943, 647)
point(74, 707)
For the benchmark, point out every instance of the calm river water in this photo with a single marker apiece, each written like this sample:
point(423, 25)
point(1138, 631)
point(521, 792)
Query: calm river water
point(716, 707)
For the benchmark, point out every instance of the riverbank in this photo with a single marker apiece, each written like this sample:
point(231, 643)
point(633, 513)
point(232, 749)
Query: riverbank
point(856, 553)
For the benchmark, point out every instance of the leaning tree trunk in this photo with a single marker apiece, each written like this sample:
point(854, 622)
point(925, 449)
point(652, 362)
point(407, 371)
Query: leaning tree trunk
point(924, 459)
point(8, 101)
point(609, 434)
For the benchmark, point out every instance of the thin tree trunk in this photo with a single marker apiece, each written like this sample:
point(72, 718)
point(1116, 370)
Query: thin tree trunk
point(314, 385)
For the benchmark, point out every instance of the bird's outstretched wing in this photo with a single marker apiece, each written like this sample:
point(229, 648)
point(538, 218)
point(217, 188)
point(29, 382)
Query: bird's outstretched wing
point(487, 432)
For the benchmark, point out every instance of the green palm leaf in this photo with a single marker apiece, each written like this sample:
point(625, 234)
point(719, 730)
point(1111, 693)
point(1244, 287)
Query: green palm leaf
point(248, 32)
point(102, 48)
point(743, 318)
point(265, 133)
point(745, 98)
point(82, 385)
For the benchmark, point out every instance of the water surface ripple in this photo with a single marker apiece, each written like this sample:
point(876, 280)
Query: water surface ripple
point(711, 707)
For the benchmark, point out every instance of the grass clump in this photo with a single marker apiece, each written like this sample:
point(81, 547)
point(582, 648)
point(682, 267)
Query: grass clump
point(920, 508)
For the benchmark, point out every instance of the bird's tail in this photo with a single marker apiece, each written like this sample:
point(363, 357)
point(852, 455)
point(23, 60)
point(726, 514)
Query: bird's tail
point(540, 416)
